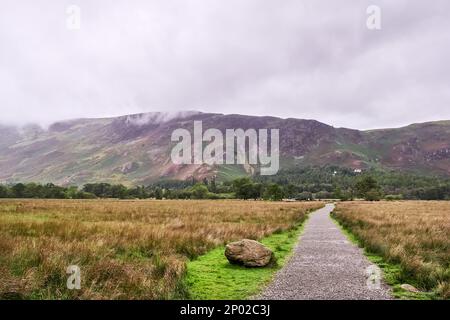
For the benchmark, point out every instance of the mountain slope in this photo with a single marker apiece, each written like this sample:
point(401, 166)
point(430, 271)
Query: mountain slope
point(135, 149)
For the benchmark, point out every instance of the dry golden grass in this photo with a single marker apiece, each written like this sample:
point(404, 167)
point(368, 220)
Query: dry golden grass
point(415, 234)
point(125, 249)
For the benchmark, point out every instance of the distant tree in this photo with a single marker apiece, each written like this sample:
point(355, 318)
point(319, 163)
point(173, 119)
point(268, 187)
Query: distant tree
point(290, 191)
point(337, 193)
point(199, 191)
point(304, 196)
point(158, 193)
point(323, 195)
point(257, 190)
point(138, 192)
point(18, 190)
point(4, 192)
point(85, 195)
point(273, 192)
point(101, 190)
point(245, 188)
point(342, 195)
point(72, 193)
point(213, 185)
point(169, 194)
point(33, 190)
point(52, 191)
point(373, 195)
point(393, 197)
point(118, 191)
point(368, 188)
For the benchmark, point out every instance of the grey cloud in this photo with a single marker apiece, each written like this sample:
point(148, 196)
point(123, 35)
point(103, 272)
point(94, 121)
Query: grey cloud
point(292, 58)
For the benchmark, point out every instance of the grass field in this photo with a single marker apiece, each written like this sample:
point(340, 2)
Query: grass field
point(411, 236)
point(125, 249)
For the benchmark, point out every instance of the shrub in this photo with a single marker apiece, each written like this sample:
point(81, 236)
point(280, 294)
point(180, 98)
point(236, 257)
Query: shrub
point(393, 197)
point(373, 195)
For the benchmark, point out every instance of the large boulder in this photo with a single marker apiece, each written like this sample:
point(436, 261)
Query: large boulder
point(249, 253)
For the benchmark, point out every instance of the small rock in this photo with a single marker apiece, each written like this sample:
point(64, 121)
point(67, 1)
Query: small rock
point(409, 288)
point(249, 253)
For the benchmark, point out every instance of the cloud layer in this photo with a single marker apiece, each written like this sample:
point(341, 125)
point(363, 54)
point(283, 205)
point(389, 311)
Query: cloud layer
point(291, 58)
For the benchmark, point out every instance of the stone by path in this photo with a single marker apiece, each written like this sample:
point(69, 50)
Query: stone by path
point(326, 265)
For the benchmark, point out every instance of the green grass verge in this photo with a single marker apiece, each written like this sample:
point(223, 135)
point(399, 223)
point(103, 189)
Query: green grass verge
point(392, 273)
point(212, 277)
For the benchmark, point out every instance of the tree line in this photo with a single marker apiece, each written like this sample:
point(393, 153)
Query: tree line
point(243, 188)
point(300, 184)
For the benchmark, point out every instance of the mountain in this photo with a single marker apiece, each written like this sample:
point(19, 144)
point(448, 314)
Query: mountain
point(135, 149)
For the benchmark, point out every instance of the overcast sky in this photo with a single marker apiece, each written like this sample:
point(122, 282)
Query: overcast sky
point(312, 59)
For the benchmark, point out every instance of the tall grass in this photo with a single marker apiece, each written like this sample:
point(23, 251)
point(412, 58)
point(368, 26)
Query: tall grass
point(125, 249)
point(414, 234)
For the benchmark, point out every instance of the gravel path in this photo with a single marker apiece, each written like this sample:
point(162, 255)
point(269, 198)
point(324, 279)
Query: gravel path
point(325, 265)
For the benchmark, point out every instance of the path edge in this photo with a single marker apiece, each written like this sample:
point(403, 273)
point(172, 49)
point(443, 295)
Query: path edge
point(389, 270)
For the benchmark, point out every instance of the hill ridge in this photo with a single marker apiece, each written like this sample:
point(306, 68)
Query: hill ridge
point(135, 149)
